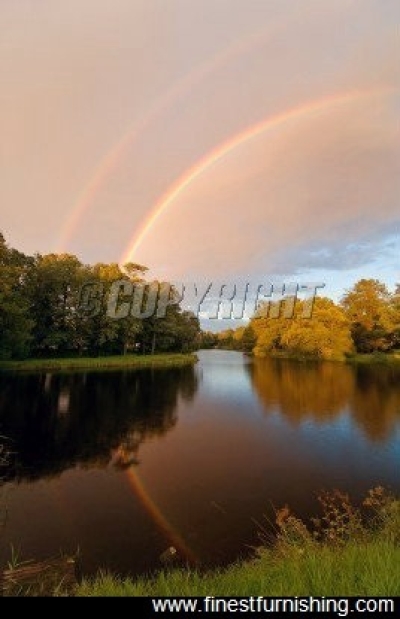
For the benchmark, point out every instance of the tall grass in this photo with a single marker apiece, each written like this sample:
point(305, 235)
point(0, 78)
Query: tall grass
point(369, 569)
point(347, 551)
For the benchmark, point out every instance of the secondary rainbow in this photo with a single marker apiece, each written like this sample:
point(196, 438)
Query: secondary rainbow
point(179, 89)
point(112, 158)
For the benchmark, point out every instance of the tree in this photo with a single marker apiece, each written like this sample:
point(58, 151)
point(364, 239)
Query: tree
point(53, 287)
point(208, 339)
point(187, 331)
point(122, 334)
point(226, 340)
point(242, 339)
point(325, 335)
point(395, 317)
point(368, 307)
point(104, 334)
point(268, 331)
point(177, 331)
point(15, 322)
point(249, 339)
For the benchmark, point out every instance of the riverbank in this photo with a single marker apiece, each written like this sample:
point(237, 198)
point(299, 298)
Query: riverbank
point(378, 358)
point(348, 551)
point(100, 363)
point(357, 569)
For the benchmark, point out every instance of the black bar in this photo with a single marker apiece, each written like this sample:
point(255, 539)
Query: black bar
point(261, 606)
point(253, 606)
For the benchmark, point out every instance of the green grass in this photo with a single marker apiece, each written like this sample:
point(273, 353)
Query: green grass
point(100, 363)
point(341, 555)
point(391, 358)
point(348, 551)
point(356, 569)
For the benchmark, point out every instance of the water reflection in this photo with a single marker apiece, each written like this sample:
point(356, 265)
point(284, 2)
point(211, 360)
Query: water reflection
point(125, 464)
point(56, 421)
point(322, 391)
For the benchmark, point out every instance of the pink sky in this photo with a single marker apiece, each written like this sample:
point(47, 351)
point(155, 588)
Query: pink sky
point(106, 104)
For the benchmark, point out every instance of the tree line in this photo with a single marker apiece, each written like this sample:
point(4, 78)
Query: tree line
point(41, 314)
point(366, 320)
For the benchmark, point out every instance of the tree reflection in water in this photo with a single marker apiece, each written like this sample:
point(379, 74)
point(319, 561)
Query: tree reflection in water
point(57, 421)
point(321, 391)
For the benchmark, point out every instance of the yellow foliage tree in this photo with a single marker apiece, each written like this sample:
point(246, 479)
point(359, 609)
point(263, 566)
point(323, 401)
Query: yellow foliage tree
point(325, 335)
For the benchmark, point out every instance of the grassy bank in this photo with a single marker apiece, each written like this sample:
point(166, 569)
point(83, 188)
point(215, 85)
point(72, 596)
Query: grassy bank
point(372, 568)
point(100, 363)
point(392, 358)
point(344, 553)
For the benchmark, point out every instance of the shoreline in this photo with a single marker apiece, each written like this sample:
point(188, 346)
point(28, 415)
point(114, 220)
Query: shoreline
point(114, 362)
point(318, 571)
point(318, 559)
point(377, 358)
point(356, 359)
point(119, 362)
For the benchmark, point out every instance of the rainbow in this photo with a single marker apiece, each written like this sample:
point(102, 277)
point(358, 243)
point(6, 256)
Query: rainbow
point(184, 85)
point(182, 183)
point(173, 537)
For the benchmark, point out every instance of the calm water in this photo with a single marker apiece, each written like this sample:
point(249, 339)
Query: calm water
point(124, 464)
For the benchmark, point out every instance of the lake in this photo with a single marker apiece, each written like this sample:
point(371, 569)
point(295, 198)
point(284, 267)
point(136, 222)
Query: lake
point(123, 464)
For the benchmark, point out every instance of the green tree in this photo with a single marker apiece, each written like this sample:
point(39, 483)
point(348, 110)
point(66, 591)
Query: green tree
point(177, 331)
point(15, 322)
point(187, 331)
point(208, 339)
point(104, 334)
point(53, 285)
point(249, 339)
point(129, 328)
point(226, 339)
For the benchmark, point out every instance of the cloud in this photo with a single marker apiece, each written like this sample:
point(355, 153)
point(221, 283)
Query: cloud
point(320, 193)
point(340, 255)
